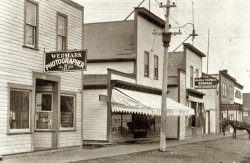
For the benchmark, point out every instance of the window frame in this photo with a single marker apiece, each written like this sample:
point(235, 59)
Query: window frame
point(156, 67)
point(25, 88)
point(191, 76)
point(67, 93)
point(36, 39)
point(57, 32)
point(146, 64)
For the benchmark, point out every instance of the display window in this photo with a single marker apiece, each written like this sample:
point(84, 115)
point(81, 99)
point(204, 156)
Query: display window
point(19, 110)
point(67, 110)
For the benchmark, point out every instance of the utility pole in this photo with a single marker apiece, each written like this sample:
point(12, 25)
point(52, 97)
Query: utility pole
point(208, 49)
point(166, 38)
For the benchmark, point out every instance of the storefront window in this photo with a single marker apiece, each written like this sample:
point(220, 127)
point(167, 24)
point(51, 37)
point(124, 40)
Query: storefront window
point(67, 111)
point(19, 109)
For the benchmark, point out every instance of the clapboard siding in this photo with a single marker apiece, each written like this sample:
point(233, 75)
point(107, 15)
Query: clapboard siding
point(43, 139)
point(101, 67)
point(18, 63)
point(94, 115)
point(172, 127)
point(70, 138)
point(146, 41)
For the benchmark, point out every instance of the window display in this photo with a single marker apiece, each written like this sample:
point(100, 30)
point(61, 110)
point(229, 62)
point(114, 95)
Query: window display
point(19, 109)
point(67, 111)
point(43, 111)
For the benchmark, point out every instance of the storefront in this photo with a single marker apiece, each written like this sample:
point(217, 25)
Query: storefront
point(137, 115)
point(233, 112)
point(196, 123)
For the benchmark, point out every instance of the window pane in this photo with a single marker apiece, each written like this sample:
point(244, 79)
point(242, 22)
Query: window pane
point(30, 35)
point(146, 58)
point(61, 25)
point(19, 109)
point(43, 111)
point(67, 111)
point(146, 64)
point(46, 102)
point(156, 62)
point(61, 43)
point(30, 13)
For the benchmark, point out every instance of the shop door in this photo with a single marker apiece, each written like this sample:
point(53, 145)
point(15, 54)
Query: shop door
point(140, 126)
point(45, 136)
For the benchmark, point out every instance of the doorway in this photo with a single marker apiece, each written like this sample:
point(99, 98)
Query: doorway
point(46, 102)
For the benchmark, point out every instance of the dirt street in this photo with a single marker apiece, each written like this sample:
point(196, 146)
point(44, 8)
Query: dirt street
point(225, 150)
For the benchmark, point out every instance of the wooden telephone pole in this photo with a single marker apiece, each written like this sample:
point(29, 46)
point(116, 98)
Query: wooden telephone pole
point(166, 38)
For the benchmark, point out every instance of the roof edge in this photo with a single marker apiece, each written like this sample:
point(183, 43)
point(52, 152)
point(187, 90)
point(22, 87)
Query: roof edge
point(150, 16)
point(111, 60)
point(74, 4)
point(194, 49)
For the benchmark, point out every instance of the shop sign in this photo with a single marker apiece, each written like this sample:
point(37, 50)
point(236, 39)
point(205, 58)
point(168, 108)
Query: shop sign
point(65, 61)
point(231, 107)
point(205, 82)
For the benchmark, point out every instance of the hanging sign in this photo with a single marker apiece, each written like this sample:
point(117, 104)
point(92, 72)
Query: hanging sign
point(65, 61)
point(205, 82)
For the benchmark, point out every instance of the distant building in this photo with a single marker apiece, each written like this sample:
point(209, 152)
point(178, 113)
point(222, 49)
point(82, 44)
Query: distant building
point(246, 107)
point(230, 99)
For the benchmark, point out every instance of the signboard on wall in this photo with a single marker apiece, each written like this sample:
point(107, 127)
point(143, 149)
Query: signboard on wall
point(65, 61)
point(231, 107)
point(205, 82)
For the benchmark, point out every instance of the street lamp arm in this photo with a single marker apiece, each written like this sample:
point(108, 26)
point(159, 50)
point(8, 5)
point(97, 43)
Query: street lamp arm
point(185, 25)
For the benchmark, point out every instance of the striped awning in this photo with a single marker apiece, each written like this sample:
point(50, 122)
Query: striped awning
point(128, 101)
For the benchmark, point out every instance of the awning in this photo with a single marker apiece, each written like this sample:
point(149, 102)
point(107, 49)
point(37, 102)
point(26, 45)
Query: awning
point(195, 99)
point(127, 101)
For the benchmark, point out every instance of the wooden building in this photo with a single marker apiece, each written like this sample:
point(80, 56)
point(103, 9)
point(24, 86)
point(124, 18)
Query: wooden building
point(38, 110)
point(122, 86)
point(184, 67)
point(230, 99)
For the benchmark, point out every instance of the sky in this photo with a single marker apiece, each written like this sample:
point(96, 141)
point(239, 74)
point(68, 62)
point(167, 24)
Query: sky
point(226, 20)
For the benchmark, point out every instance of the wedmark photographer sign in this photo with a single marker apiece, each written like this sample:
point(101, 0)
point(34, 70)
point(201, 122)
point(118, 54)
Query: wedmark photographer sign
point(65, 61)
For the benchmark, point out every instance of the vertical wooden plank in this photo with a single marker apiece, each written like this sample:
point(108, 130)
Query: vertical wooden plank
point(109, 112)
point(55, 114)
point(33, 110)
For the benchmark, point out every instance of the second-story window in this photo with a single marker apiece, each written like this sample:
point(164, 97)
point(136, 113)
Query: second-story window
point(61, 32)
point(30, 31)
point(191, 76)
point(146, 64)
point(224, 90)
point(197, 73)
point(156, 67)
